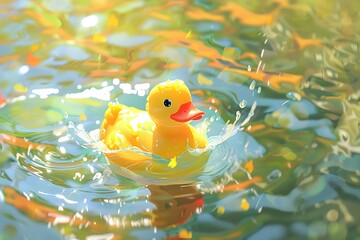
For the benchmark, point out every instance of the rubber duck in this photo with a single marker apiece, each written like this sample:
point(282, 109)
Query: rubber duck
point(162, 130)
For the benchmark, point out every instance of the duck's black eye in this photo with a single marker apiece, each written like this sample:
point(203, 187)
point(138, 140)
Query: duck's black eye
point(167, 103)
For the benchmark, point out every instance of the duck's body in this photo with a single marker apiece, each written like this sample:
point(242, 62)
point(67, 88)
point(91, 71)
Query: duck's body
point(162, 130)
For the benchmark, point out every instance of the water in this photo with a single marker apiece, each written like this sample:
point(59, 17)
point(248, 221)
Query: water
point(288, 169)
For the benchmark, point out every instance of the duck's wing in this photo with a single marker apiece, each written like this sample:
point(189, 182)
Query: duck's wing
point(145, 132)
point(121, 125)
point(110, 118)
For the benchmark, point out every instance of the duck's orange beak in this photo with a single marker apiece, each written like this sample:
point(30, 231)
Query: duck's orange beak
point(187, 112)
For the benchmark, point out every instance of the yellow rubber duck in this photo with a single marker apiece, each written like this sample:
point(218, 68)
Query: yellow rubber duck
point(162, 130)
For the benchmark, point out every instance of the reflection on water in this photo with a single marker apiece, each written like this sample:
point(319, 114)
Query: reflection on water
point(287, 72)
point(175, 204)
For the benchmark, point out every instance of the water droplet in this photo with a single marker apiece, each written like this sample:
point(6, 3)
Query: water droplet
point(252, 85)
point(243, 104)
point(259, 90)
point(97, 176)
point(238, 115)
point(78, 175)
point(249, 68)
point(293, 96)
point(62, 150)
point(332, 215)
point(71, 124)
point(275, 174)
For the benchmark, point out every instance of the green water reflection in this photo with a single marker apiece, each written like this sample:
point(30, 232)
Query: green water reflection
point(295, 164)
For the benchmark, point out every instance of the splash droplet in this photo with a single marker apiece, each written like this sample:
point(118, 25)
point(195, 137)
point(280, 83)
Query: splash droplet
point(238, 115)
point(293, 96)
point(252, 85)
point(243, 104)
point(275, 174)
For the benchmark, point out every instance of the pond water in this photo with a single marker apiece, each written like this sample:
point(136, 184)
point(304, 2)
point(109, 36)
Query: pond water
point(278, 80)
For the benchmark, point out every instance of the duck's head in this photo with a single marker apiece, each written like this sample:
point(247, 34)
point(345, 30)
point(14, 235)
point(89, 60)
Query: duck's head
point(169, 104)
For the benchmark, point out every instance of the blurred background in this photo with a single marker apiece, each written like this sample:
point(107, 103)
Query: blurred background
point(286, 71)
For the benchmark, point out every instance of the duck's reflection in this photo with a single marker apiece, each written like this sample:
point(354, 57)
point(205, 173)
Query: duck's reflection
point(175, 204)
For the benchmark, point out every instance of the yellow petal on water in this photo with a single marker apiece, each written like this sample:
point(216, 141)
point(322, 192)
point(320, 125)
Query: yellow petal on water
point(172, 162)
point(229, 52)
point(185, 234)
point(31, 60)
point(220, 210)
point(244, 205)
point(34, 47)
point(82, 117)
point(113, 21)
point(288, 154)
point(188, 35)
point(249, 166)
point(20, 88)
point(99, 38)
point(204, 80)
